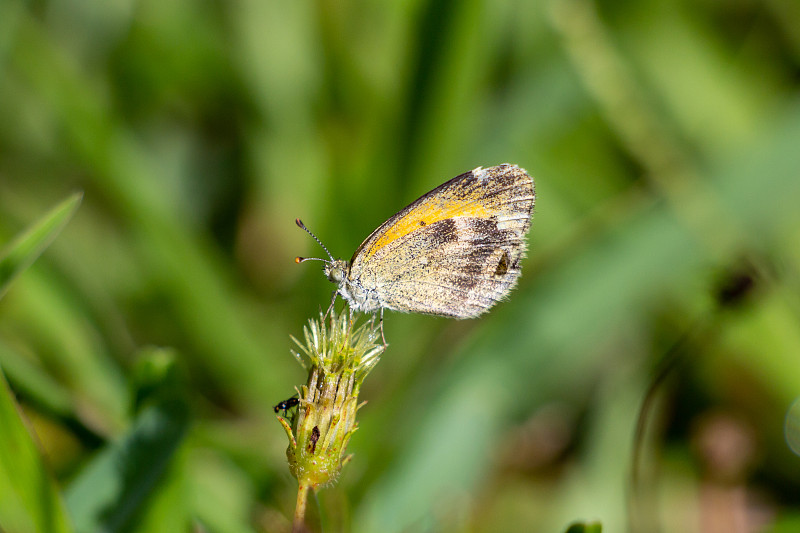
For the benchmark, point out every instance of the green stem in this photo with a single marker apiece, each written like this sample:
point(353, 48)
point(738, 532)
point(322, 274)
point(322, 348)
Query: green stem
point(300, 510)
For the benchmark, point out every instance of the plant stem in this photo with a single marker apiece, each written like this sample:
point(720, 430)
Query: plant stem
point(300, 510)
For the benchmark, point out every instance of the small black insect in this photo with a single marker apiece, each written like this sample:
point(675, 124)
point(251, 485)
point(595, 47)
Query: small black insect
point(285, 405)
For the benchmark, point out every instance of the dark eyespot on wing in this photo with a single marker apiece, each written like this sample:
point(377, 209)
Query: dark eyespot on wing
point(502, 265)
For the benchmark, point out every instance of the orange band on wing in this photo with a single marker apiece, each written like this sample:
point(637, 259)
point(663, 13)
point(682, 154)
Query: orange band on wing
point(423, 215)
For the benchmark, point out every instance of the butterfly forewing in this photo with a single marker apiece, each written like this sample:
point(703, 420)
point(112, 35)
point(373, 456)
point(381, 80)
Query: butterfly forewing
point(456, 250)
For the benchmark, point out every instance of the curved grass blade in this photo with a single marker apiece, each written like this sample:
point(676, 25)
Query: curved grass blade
point(23, 250)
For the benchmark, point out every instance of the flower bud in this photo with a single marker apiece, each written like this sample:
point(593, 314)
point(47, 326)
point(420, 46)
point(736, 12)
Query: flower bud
point(338, 358)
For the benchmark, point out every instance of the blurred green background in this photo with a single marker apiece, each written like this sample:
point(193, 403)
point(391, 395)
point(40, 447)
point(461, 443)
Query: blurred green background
point(148, 344)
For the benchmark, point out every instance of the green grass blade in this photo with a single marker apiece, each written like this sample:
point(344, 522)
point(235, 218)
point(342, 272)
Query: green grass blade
point(24, 250)
point(29, 498)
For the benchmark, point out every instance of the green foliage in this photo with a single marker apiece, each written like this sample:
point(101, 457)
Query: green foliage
point(112, 490)
point(662, 136)
point(29, 497)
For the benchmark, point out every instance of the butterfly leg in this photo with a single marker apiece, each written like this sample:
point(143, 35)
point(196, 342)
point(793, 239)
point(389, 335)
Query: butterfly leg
point(382, 337)
point(330, 307)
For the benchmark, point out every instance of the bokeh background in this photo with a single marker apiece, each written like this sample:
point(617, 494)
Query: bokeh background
point(643, 374)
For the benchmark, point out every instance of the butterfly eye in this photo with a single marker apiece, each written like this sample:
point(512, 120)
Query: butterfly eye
point(334, 271)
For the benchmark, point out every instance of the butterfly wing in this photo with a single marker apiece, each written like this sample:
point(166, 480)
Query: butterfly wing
point(453, 252)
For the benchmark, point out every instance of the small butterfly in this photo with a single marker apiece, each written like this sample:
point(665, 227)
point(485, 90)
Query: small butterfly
point(453, 252)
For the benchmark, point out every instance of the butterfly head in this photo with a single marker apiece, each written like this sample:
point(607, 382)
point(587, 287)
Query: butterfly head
point(335, 269)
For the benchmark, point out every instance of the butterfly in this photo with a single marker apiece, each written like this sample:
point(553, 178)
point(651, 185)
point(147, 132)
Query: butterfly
point(453, 252)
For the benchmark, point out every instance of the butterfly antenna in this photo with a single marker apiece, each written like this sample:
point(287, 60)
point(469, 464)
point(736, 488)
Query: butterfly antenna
point(301, 259)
